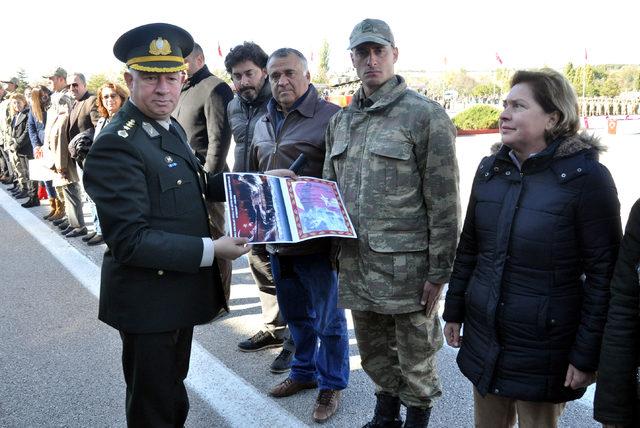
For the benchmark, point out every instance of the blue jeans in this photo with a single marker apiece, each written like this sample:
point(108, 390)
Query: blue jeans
point(94, 212)
point(307, 290)
point(51, 191)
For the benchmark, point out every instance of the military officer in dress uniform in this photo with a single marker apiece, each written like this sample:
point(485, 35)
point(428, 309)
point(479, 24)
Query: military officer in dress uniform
point(159, 278)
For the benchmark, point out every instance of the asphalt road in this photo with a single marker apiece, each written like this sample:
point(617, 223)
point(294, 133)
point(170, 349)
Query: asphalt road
point(60, 366)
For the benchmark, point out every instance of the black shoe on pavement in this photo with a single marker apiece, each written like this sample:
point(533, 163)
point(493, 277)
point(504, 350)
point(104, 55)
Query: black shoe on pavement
point(21, 195)
point(96, 240)
point(64, 226)
point(88, 236)
point(282, 363)
point(68, 230)
point(259, 341)
point(32, 202)
point(78, 231)
point(59, 222)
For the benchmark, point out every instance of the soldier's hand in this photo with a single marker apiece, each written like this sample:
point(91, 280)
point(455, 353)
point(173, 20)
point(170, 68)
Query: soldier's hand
point(431, 296)
point(452, 334)
point(229, 248)
point(287, 173)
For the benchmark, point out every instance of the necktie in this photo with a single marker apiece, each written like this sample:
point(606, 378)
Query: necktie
point(175, 132)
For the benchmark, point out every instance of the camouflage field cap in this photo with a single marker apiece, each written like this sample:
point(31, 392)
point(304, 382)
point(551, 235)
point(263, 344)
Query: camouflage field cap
point(371, 30)
point(155, 48)
point(13, 80)
point(56, 72)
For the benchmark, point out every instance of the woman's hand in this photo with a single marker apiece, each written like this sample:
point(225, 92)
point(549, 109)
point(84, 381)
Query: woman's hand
point(578, 379)
point(37, 152)
point(452, 334)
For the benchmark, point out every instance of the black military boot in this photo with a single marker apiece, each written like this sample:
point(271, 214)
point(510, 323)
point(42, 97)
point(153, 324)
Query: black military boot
point(387, 413)
point(417, 417)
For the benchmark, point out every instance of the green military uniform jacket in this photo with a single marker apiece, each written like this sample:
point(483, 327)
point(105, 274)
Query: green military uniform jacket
point(393, 156)
point(149, 189)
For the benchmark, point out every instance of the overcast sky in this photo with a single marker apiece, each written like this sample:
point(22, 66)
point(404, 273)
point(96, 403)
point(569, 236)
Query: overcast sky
point(79, 35)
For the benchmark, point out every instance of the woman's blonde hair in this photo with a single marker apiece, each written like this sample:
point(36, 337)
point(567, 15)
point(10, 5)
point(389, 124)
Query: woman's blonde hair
point(554, 93)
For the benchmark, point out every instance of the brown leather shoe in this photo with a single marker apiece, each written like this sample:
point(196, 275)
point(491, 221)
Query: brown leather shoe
point(326, 405)
point(289, 387)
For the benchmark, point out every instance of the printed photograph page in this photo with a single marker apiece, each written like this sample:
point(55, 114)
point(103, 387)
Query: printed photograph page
point(256, 208)
point(317, 209)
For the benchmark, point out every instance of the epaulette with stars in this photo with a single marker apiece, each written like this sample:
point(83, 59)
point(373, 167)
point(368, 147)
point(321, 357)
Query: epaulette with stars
point(128, 126)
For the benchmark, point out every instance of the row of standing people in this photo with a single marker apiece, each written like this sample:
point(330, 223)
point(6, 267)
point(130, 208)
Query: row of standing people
point(532, 270)
point(56, 124)
point(530, 280)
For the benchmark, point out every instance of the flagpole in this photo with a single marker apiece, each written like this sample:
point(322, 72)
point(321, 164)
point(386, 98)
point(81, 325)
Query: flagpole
point(584, 84)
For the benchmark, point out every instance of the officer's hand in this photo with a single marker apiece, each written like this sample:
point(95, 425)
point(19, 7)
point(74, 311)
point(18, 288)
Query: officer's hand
point(287, 173)
point(452, 334)
point(229, 248)
point(431, 296)
point(37, 152)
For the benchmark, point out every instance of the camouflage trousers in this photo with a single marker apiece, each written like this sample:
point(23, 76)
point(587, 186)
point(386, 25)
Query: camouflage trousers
point(398, 353)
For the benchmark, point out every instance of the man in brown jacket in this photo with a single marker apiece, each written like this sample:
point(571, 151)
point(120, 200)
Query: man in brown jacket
point(82, 118)
point(306, 282)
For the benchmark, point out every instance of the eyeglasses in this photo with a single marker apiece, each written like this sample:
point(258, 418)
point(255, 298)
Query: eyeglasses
point(74, 85)
point(112, 96)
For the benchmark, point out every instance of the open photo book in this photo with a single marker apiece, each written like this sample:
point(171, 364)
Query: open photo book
point(268, 209)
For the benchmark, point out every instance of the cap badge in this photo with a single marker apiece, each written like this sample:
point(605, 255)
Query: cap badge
point(160, 46)
point(168, 159)
point(366, 27)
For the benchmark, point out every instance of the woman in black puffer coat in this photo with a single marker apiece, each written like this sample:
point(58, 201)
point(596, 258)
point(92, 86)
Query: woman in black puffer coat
point(531, 277)
point(617, 400)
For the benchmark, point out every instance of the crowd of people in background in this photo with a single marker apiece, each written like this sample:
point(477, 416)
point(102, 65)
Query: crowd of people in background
point(48, 129)
point(529, 278)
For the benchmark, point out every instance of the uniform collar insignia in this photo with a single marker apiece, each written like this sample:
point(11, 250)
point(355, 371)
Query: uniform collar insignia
point(160, 46)
point(123, 133)
point(150, 130)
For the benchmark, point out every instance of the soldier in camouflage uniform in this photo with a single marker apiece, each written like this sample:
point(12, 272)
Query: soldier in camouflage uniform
point(392, 153)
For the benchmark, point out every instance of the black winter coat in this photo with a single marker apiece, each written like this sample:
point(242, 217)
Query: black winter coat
point(616, 399)
point(20, 141)
point(531, 276)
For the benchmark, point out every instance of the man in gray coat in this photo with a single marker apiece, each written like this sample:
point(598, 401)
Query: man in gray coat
point(202, 112)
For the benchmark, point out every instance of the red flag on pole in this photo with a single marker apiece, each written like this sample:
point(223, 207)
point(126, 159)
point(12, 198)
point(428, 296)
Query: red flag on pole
point(498, 58)
point(219, 50)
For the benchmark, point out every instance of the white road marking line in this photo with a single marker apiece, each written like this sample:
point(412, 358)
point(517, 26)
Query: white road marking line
point(208, 377)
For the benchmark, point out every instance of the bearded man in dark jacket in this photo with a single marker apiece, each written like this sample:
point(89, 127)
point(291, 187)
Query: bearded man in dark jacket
point(247, 65)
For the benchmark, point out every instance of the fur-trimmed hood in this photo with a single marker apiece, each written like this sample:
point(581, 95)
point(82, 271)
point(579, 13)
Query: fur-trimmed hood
point(571, 145)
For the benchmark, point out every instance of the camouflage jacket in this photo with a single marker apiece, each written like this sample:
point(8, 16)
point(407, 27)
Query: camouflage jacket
point(393, 156)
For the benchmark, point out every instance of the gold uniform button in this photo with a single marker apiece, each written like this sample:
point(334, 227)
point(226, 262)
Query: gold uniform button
point(179, 182)
point(160, 272)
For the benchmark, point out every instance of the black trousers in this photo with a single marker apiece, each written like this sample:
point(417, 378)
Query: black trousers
point(155, 366)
